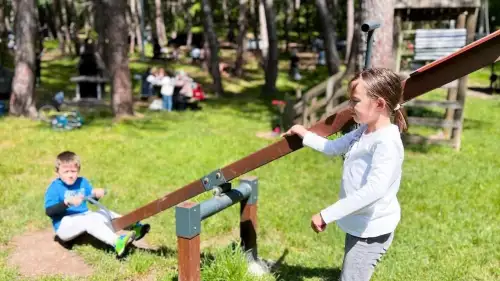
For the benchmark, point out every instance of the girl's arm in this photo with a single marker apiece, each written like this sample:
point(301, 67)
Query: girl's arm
point(385, 169)
point(151, 79)
point(331, 147)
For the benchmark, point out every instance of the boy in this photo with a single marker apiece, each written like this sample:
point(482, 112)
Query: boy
point(65, 204)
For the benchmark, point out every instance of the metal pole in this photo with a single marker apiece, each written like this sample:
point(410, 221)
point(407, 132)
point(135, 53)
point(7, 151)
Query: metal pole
point(370, 28)
point(101, 206)
point(218, 203)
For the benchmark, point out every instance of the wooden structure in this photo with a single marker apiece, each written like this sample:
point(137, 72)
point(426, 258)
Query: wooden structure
point(317, 103)
point(468, 59)
point(431, 44)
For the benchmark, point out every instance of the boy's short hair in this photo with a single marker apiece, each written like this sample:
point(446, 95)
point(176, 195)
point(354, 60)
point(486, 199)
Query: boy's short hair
point(67, 157)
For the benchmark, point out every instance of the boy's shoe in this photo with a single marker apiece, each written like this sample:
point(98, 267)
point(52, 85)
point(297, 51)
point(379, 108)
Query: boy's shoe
point(140, 230)
point(122, 242)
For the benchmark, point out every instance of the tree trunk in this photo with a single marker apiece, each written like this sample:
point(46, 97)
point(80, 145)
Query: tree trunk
point(308, 25)
point(89, 20)
point(214, 48)
point(263, 32)
point(298, 26)
point(189, 23)
point(353, 60)
point(22, 100)
point(242, 22)
point(2, 18)
point(225, 13)
point(160, 24)
point(117, 57)
point(135, 20)
point(56, 5)
point(288, 22)
point(350, 28)
point(50, 21)
point(100, 28)
point(254, 9)
point(73, 25)
point(332, 57)
point(383, 12)
point(66, 28)
point(65, 25)
point(131, 26)
point(6, 12)
point(8, 23)
point(272, 56)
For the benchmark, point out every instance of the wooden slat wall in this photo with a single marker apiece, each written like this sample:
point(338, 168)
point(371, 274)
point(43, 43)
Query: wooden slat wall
point(419, 4)
point(432, 44)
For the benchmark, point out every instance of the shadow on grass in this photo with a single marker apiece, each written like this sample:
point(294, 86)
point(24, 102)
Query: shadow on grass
point(423, 112)
point(486, 90)
point(284, 271)
point(473, 124)
point(86, 239)
point(423, 148)
point(299, 273)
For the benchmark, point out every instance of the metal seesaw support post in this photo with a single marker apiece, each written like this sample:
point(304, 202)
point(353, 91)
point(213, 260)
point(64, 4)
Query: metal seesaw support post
point(188, 217)
point(369, 27)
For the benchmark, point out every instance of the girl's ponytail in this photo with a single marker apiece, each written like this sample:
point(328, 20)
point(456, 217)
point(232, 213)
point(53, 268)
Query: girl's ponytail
point(400, 119)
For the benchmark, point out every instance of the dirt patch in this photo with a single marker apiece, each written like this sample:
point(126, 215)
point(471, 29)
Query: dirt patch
point(37, 254)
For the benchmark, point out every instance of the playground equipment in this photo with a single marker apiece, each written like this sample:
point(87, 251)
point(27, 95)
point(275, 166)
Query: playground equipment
point(468, 59)
point(188, 217)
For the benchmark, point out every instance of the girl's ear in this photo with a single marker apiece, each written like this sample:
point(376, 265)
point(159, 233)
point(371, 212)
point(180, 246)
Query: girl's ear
point(381, 104)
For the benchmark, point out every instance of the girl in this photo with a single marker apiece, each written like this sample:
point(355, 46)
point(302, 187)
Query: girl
point(368, 210)
point(167, 89)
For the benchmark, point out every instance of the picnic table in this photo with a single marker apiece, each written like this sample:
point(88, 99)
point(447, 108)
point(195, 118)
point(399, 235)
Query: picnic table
point(97, 80)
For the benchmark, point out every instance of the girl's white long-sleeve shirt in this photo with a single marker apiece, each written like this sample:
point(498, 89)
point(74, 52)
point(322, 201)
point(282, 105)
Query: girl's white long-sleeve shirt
point(367, 205)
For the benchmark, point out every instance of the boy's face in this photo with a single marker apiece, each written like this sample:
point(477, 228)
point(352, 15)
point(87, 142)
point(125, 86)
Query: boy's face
point(68, 172)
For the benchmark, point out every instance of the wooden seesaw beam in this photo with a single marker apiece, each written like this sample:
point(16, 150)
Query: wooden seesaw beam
point(466, 60)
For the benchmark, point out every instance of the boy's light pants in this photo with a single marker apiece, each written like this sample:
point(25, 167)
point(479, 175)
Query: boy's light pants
point(97, 224)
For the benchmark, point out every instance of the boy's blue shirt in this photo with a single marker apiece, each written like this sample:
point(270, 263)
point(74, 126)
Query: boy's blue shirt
point(58, 191)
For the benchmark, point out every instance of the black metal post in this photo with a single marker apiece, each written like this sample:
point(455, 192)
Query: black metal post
point(370, 28)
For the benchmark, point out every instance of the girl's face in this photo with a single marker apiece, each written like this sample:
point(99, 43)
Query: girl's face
point(366, 109)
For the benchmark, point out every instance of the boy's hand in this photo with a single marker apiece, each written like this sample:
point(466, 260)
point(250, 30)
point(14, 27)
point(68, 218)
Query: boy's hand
point(297, 130)
point(98, 192)
point(317, 223)
point(74, 200)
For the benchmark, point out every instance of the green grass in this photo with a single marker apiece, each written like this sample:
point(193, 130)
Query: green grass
point(450, 200)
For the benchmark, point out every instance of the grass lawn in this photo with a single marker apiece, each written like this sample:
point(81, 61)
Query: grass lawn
point(450, 200)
